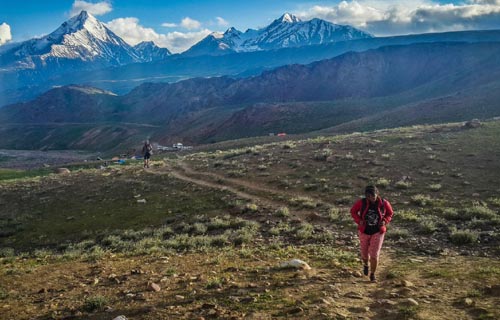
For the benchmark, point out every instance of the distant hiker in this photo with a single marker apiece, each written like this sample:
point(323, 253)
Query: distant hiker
point(147, 151)
point(372, 214)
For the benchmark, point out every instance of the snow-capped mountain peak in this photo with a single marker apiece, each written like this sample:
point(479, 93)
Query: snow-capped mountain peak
point(80, 42)
point(288, 18)
point(286, 31)
point(149, 51)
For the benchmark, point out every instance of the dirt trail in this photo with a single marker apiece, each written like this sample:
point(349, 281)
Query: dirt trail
point(352, 285)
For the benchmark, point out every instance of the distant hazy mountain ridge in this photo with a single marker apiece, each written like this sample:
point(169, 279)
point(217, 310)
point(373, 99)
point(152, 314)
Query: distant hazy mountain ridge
point(450, 81)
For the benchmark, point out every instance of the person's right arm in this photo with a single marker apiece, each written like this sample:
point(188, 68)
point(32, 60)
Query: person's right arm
point(355, 212)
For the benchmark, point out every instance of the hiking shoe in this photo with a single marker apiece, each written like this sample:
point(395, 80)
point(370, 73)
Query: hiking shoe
point(365, 270)
point(372, 277)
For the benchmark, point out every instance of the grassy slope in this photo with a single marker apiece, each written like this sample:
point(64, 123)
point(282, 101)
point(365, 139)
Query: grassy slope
point(216, 255)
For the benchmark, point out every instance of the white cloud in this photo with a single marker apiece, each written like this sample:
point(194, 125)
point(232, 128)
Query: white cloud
point(397, 17)
point(190, 24)
point(221, 22)
point(130, 30)
point(5, 34)
point(169, 25)
point(96, 9)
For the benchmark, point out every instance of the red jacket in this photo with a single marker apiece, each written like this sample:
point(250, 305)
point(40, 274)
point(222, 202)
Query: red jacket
point(384, 210)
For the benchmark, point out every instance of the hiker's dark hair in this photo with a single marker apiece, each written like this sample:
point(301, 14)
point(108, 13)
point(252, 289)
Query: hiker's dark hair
point(371, 190)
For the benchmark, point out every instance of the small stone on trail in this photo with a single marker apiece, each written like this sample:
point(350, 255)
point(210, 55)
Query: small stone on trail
point(412, 302)
point(179, 297)
point(357, 274)
point(295, 263)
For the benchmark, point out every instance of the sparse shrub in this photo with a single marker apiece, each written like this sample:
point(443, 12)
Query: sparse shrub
point(3, 294)
point(435, 187)
point(322, 155)
point(96, 253)
point(289, 145)
point(382, 183)
point(236, 173)
point(334, 214)
point(494, 201)
point(251, 207)
point(262, 167)
point(304, 202)
point(281, 227)
point(479, 211)
point(386, 156)
point(393, 274)
point(408, 215)
point(199, 228)
point(421, 200)
point(7, 252)
point(95, 303)
point(451, 214)
point(311, 187)
point(218, 223)
point(283, 212)
point(218, 241)
point(398, 233)
point(214, 283)
point(402, 184)
point(408, 312)
point(244, 235)
point(427, 226)
point(349, 156)
point(218, 164)
point(305, 231)
point(461, 237)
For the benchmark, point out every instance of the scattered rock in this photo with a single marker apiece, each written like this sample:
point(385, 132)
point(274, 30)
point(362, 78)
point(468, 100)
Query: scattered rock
point(136, 271)
point(179, 297)
point(493, 290)
point(295, 264)
point(153, 287)
point(474, 123)
point(354, 295)
point(248, 299)
point(411, 302)
point(141, 201)
point(295, 310)
point(62, 171)
point(120, 318)
point(468, 302)
point(407, 284)
point(357, 274)
point(386, 302)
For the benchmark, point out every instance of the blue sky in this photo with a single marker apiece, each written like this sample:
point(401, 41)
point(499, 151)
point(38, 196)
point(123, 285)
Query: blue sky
point(178, 24)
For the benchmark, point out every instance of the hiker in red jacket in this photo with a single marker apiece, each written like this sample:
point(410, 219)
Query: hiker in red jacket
point(372, 214)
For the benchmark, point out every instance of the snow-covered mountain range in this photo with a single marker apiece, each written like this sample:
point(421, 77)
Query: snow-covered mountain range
point(286, 31)
point(81, 41)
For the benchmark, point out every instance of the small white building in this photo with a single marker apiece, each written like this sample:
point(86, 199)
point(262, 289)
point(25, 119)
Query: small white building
point(178, 145)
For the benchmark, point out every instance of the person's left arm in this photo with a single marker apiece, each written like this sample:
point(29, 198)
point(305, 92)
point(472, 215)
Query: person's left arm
point(388, 212)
